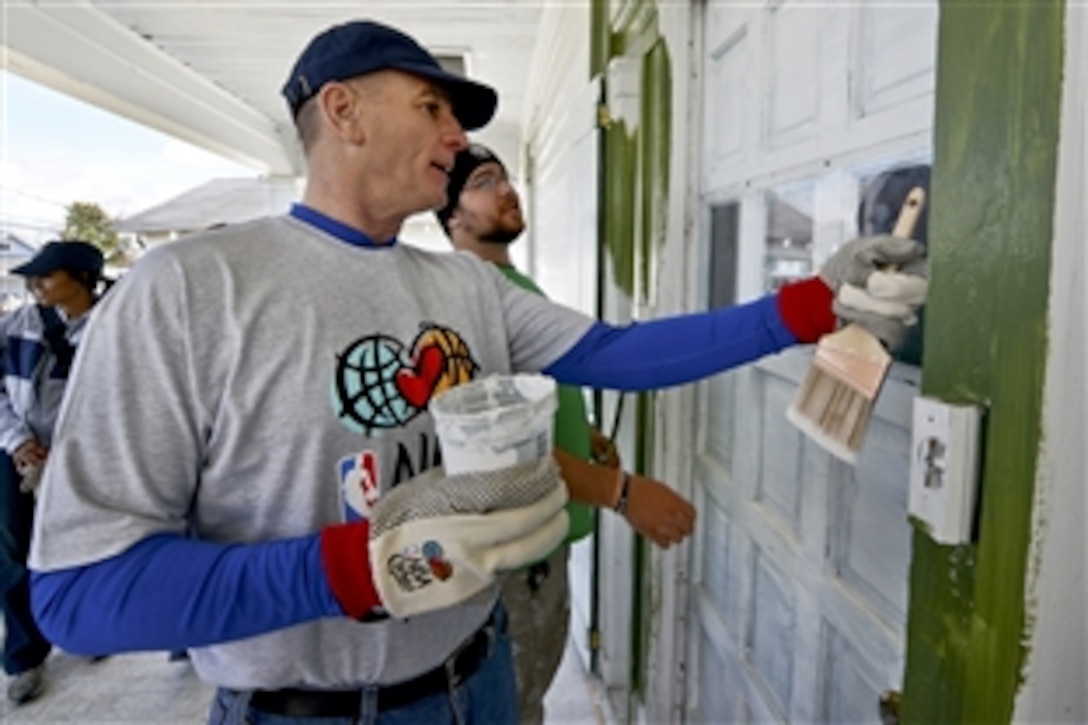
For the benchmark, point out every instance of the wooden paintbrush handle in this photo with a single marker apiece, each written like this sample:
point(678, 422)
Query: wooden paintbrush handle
point(910, 212)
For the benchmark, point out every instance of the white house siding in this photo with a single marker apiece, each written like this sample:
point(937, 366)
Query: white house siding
point(559, 158)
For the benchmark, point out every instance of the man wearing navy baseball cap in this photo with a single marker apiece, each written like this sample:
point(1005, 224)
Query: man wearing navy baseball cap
point(266, 387)
point(377, 115)
point(303, 591)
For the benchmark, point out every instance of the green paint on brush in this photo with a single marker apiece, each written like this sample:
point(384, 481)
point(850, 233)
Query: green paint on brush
point(999, 87)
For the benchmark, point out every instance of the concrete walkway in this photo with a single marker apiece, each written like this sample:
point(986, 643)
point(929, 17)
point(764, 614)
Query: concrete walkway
point(146, 688)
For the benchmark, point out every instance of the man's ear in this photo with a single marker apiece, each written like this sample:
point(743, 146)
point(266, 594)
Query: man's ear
point(343, 109)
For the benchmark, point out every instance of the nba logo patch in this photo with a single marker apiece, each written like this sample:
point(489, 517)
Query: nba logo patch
point(359, 485)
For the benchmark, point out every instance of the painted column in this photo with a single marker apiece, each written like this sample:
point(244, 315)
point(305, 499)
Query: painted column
point(999, 87)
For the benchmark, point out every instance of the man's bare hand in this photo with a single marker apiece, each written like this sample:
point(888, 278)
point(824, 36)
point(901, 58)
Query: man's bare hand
point(653, 509)
point(657, 512)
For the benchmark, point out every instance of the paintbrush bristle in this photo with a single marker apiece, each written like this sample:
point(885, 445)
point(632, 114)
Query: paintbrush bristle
point(836, 399)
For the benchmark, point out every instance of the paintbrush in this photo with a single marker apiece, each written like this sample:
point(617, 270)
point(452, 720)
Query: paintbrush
point(836, 399)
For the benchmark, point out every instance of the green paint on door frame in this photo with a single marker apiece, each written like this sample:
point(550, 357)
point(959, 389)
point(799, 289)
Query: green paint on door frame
point(636, 161)
point(655, 136)
point(621, 162)
point(635, 193)
point(999, 85)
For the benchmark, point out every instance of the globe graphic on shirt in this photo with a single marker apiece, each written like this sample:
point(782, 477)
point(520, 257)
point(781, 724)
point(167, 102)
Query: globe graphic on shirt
point(365, 394)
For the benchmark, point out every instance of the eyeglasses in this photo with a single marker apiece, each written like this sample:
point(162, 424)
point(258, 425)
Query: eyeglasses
point(486, 180)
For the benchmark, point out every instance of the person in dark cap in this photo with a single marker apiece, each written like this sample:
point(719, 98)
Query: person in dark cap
point(266, 386)
point(37, 342)
point(81, 259)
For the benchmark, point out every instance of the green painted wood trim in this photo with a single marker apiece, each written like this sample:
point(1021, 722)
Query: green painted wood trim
point(642, 611)
point(999, 86)
point(637, 162)
point(600, 37)
point(655, 135)
point(631, 21)
point(636, 175)
point(621, 161)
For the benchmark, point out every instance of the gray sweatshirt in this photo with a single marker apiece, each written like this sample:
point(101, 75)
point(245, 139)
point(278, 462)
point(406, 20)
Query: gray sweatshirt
point(266, 380)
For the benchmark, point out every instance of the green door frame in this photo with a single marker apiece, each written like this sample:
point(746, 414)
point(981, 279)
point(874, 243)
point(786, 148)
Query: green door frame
point(999, 90)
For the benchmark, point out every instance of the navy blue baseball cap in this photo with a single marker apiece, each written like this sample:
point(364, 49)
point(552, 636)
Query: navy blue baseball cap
point(69, 255)
point(360, 47)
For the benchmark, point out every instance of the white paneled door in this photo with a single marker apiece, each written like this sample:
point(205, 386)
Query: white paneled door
point(799, 591)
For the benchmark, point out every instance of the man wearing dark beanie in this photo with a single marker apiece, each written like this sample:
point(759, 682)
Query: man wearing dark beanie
point(483, 216)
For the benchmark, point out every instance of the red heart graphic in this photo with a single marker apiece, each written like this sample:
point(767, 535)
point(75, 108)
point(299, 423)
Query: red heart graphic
point(417, 384)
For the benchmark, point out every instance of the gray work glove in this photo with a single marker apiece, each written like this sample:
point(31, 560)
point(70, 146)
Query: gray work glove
point(437, 540)
point(879, 283)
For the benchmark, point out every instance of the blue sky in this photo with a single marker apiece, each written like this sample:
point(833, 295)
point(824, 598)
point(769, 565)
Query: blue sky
point(55, 150)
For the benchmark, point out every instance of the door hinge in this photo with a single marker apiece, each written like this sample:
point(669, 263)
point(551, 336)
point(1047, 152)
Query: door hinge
point(889, 707)
point(604, 118)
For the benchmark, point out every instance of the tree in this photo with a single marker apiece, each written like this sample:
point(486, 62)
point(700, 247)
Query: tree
point(88, 222)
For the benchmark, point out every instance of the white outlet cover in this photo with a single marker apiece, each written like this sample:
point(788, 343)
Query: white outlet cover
point(944, 468)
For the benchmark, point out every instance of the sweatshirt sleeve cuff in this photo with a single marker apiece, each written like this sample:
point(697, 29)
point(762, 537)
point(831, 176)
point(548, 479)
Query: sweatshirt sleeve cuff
point(16, 438)
point(345, 556)
point(806, 309)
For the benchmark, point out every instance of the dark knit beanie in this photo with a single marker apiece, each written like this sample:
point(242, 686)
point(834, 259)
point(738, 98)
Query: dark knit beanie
point(464, 164)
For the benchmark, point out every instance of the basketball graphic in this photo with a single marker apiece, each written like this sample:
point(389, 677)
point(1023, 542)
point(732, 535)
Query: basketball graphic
point(459, 366)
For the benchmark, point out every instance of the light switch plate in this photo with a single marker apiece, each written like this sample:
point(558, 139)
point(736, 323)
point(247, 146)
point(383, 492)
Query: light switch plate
point(944, 468)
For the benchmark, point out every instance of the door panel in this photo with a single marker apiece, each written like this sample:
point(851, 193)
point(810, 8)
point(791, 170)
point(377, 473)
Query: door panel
point(894, 58)
point(793, 71)
point(800, 561)
point(800, 566)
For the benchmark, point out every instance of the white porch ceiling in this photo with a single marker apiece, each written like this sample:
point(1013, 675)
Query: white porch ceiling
point(209, 71)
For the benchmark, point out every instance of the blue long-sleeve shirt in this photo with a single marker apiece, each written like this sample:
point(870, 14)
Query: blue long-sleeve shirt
point(199, 597)
point(168, 592)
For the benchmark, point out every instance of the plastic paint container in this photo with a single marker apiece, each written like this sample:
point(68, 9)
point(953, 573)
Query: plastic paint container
point(494, 422)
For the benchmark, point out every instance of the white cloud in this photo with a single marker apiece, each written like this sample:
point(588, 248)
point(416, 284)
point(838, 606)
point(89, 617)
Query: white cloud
point(186, 155)
point(122, 168)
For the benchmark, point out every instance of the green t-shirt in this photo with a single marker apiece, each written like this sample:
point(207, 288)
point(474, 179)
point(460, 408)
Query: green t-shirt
point(571, 427)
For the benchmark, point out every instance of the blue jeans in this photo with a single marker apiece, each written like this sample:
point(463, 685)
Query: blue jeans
point(488, 697)
point(24, 646)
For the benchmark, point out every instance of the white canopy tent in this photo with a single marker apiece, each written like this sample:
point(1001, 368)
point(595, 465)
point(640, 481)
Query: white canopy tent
point(220, 201)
